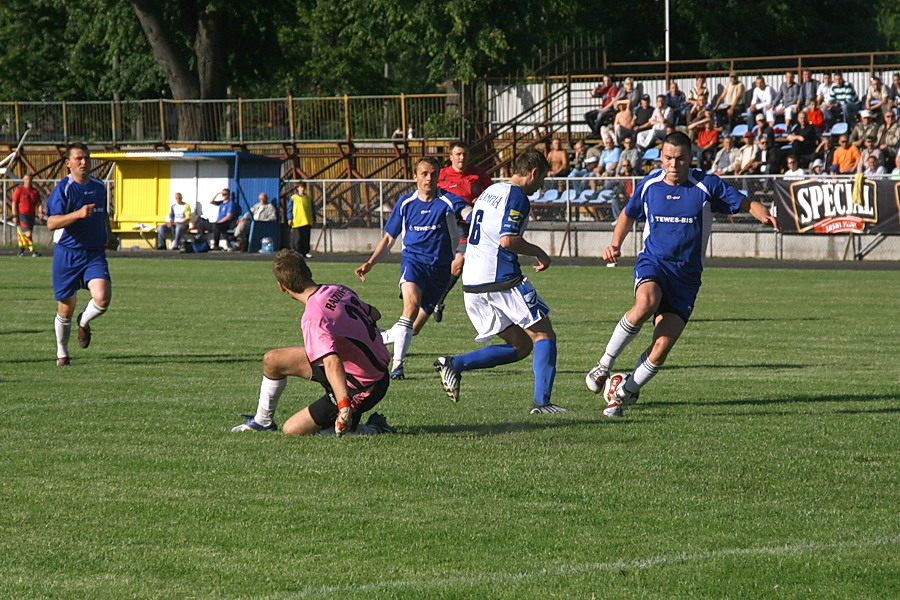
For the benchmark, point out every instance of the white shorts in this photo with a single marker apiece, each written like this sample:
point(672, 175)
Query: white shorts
point(493, 312)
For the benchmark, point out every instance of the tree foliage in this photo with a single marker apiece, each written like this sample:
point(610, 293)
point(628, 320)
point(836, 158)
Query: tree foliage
point(209, 48)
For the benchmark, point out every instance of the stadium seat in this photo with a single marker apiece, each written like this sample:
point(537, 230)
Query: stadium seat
point(535, 196)
point(567, 196)
point(552, 195)
point(651, 154)
point(780, 129)
point(739, 130)
point(839, 129)
point(587, 195)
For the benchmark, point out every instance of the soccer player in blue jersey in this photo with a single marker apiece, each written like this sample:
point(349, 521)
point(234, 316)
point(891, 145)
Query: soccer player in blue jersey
point(77, 216)
point(677, 202)
point(499, 299)
point(421, 218)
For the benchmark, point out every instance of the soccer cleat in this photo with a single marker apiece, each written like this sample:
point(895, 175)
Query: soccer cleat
point(450, 377)
point(21, 252)
point(617, 397)
point(613, 409)
point(63, 361)
point(378, 422)
point(308, 255)
point(596, 378)
point(35, 253)
point(251, 425)
point(547, 409)
point(84, 333)
point(398, 372)
point(438, 313)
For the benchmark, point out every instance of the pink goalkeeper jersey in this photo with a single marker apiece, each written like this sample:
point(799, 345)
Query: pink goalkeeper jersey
point(337, 321)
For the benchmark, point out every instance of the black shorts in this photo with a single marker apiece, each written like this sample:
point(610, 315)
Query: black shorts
point(324, 410)
point(26, 222)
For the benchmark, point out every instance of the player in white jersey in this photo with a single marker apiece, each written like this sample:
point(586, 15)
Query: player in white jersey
point(677, 203)
point(499, 299)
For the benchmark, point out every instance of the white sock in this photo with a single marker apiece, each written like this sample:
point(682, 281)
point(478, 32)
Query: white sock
point(403, 335)
point(644, 371)
point(63, 328)
point(91, 311)
point(269, 393)
point(620, 338)
point(387, 336)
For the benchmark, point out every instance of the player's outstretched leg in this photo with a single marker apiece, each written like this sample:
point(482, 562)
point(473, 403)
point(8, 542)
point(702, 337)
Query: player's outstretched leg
point(622, 335)
point(270, 391)
point(544, 367)
point(403, 335)
point(452, 367)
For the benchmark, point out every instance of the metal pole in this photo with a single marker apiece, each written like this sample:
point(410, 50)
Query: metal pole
point(667, 43)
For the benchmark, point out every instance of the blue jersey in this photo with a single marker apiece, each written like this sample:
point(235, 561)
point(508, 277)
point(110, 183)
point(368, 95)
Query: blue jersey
point(424, 227)
point(68, 196)
point(225, 208)
point(500, 211)
point(679, 217)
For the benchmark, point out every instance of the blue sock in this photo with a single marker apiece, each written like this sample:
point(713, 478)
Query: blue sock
point(485, 358)
point(544, 367)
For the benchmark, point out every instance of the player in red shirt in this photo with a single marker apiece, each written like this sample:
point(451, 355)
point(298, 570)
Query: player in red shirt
point(467, 182)
point(25, 204)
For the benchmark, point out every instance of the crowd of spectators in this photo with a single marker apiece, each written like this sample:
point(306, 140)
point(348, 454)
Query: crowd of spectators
point(791, 128)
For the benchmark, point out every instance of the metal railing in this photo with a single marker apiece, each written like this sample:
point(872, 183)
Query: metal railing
point(233, 121)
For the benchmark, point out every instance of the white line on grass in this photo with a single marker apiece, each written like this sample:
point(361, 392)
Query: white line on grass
point(565, 570)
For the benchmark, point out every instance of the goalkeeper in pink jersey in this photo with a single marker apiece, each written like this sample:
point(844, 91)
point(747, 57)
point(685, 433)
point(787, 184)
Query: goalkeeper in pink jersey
point(342, 350)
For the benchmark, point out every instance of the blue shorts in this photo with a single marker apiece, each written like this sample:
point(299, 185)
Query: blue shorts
point(72, 269)
point(679, 289)
point(431, 279)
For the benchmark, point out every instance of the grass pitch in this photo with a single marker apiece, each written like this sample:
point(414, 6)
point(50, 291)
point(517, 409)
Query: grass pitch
point(762, 462)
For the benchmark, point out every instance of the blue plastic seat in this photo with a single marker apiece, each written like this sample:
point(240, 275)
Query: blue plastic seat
point(739, 130)
point(839, 129)
point(651, 154)
point(551, 195)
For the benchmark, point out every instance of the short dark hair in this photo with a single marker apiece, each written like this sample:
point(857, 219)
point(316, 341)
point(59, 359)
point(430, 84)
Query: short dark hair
point(459, 144)
point(76, 146)
point(431, 161)
point(677, 138)
point(529, 160)
point(291, 270)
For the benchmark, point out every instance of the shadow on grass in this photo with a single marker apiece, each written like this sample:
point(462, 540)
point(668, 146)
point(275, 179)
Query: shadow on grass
point(754, 319)
point(181, 357)
point(704, 367)
point(841, 398)
point(486, 429)
point(25, 331)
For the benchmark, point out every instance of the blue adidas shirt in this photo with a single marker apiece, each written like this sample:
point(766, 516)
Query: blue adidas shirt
point(424, 227)
point(679, 217)
point(225, 208)
point(500, 211)
point(69, 196)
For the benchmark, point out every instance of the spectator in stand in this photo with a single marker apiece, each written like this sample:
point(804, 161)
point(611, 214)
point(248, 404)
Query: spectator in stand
point(846, 157)
point(606, 92)
point(808, 89)
point(178, 221)
point(823, 92)
point(793, 170)
point(623, 125)
point(762, 102)
point(699, 110)
point(817, 167)
point(825, 151)
point(894, 96)
point(870, 150)
point(815, 115)
point(730, 103)
point(877, 99)
point(301, 214)
point(843, 102)
point(705, 143)
point(763, 129)
point(895, 174)
point(609, 159)
point(658, 121)
point(558, 159)
point(889, 140)
point(726, 158)
point(873, 169)
point(676, 100)
point(697, 97)
point(787, 100)
point(630, 155)
point(769, 158)
point(578, 167)
point(26, 206)
point(630, 94)
point(643, 112)
point(865, 128)
point(264, 210)
point(748, 157)
point(225, 220)
point(803, 138)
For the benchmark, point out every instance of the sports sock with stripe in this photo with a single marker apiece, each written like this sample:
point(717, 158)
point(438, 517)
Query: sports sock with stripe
point(403, 335)
point(620, 338)
point(644, 371)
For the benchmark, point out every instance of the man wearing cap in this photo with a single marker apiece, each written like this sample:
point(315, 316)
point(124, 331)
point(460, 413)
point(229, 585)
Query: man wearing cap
point(763, 130)
point(730, 104)
point(761, 102)
point(843, 101)
point(865, 128)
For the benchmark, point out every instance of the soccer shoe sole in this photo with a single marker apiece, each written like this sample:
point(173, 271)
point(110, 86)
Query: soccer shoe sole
point(84, 333)
point(449, 387)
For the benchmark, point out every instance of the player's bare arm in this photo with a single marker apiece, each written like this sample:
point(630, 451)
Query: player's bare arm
point(518, 244)
point(384, 246)
point(337, 378)
point(612, 252)
point(760, 213)
point(60, 221)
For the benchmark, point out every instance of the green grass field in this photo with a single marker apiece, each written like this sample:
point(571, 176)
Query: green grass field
point(761, 463)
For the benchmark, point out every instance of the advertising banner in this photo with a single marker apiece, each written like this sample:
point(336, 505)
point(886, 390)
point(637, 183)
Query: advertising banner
point(830, 205)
